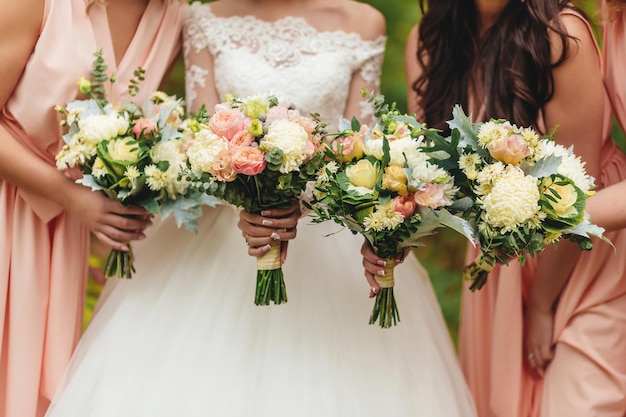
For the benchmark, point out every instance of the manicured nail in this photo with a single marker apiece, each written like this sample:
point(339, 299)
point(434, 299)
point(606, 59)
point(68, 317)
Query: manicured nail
point(281, 230)
point(142, 236)
point(266, 213)
point(380, 272)
point(275, 236)
point(267, 222)
point(374, 290)
point(266, 248)
point(124, 248)
point(381, 262)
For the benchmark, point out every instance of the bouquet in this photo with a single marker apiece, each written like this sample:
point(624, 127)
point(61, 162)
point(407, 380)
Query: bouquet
point(380, 182)
point(527, 191)
point(132, 153)
point(256, 153)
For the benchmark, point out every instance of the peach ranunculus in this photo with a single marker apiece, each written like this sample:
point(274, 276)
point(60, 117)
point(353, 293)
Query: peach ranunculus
point(228, 123)
point(394, 179)
point(242, 138)
point(223, 168)
point(143, 126)
point(431, 195)
point(351, 146)
point(248, 160)
point(405, 205)
point(510, 149)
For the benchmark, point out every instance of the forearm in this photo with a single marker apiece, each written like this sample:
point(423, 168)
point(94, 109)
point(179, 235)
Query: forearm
point(21, 167)
point(554, 267)
point(608, 208)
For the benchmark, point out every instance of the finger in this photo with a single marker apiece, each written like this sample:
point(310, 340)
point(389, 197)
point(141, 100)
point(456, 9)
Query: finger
point(283, 251)
point(121, 236)
point(282, 212)
point(373, 268)
point(547, 353)
point(246, 217)
point(126, 223)
point(368, 253)
point(258, 251)
point(374, 287)
point(283, 223)
point(122, 210)
point(102, 237)
point(402, 255)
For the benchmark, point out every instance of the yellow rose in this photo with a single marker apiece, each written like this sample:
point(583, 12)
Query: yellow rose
point(394, 179)
point(362, 176)
point(565, 195)
point(123, 151)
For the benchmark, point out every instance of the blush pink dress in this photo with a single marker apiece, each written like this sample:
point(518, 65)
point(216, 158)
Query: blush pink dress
point(588, 374)
point(43, 250)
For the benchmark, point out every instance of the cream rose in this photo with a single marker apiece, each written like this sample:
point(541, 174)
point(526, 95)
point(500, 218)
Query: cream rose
point(101, 127)
point(362, 176)
point(123, 151)
point(509, 150)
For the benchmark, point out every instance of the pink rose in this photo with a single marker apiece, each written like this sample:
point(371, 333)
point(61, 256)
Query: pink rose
point(143, 126)
point(228, 123)
point(242, 138)
point(223, 168)
point(510, 150)
point(248, 160)
point(276, 113)
point(405, 205)
point(431, 195)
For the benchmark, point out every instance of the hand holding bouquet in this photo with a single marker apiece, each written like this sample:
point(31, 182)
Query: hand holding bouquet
point(380, 182)
point(134, 154)
point(527, 191)
point(258, 154)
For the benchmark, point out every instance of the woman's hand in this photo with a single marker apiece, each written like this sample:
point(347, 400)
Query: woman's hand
point(538, 327)
point(113, 223)
point(375, 265)
point(260, 231)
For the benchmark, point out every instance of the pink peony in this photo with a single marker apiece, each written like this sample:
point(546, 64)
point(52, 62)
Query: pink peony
point(431, 195)
point(405, 205)
point(228, 123)
point(510, 150)
point(248, 160)
point(143, 126)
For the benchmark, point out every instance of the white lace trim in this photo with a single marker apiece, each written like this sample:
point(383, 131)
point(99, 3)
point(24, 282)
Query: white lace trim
point(282, 43)
point(195, 76)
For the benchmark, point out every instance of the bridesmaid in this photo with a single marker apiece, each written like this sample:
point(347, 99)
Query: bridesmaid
point(607, 207)
point(546, 339)
point(45, 218)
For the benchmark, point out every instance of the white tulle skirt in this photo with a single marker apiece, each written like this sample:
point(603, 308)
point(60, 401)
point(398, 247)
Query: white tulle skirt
point(183, 338)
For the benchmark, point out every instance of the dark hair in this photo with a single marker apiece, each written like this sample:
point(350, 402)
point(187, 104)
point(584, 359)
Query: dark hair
point(513, 58)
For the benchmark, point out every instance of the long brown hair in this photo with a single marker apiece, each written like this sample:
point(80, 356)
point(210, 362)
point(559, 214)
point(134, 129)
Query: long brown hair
point(513, 58)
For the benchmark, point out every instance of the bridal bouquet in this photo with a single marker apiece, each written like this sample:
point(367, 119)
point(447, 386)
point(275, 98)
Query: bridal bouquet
point(380, 182)
point(256, 153)
point(527, 191)
point(132, 153)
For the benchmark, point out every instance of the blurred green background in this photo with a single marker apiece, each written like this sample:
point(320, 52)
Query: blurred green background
point(443, 254)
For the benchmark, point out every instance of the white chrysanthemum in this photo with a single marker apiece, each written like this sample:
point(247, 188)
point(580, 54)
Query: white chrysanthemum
point(492, 132)
point(76, 153)
point(74, 114)
point(490, 173)
point(322, 173)
point(132, 173)
point(390, 218)
point(373, 222)
point(292, 139)
point(168, 151)
point(469, 161)
point(571, 166)
point(421, 173)
point(203, 150)
point(97, 128)
point(513, 200)
point(448, 188)
point(155, 178)
point(98, 169)
point(530, 137)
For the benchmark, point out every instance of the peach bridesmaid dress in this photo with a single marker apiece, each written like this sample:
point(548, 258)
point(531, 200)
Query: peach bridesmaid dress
point(43, 250)
point(588, 374)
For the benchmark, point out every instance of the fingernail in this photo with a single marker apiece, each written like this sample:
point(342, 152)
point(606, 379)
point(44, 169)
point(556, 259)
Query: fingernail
point(380, 272)
point(275, 236)
point(281, 230)
point(374, 290)
point(266, 213)
point(381, 262)
point(142, 236)
point(266, 248)
point(124, 248)
point(267, 222)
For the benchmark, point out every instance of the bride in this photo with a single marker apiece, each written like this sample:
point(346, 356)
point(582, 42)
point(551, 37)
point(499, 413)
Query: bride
point(184, 338)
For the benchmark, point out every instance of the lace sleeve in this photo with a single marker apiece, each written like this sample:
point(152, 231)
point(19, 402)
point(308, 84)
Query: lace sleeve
point(199, 83)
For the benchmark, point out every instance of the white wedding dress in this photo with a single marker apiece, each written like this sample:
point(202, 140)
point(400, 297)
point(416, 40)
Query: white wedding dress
point(183, 337)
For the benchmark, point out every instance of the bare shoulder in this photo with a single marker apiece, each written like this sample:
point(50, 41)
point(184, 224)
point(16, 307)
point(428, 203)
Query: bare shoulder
point(23, 15)
point(581, 41)
point(358, 17)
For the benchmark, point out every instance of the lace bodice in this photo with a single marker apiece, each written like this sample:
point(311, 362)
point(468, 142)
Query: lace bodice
point(288, 58)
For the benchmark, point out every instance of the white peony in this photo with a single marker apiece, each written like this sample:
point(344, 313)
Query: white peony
point(405, 149)
point(203, 150)
point(97, 128)
point(513, 200)
point(292, 139)
point(373, 147)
